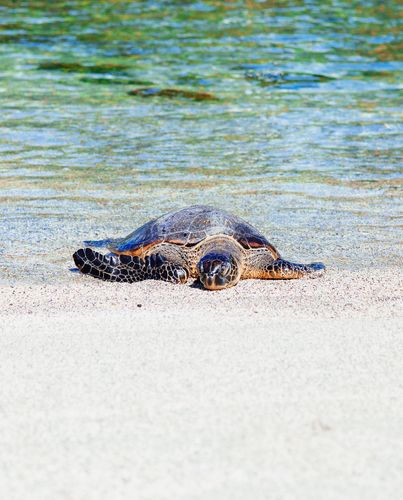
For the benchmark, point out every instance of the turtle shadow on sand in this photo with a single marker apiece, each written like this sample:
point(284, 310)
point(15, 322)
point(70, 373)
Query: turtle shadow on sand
point(197, 285)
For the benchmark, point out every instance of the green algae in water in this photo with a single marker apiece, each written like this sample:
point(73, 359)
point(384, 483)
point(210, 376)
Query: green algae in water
point(173, 93)
point(75, 67)
point(114, 81)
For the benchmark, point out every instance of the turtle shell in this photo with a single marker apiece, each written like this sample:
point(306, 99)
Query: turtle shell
point(188, 227)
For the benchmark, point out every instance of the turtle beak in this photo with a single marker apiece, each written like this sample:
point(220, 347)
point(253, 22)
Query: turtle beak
point(214, 281)
point(209, 280)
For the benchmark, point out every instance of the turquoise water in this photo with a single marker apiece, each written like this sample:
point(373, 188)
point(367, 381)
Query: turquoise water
point(300, 134)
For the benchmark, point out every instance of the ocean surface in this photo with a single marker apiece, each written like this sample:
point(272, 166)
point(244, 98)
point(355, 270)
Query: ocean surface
point(287, 113)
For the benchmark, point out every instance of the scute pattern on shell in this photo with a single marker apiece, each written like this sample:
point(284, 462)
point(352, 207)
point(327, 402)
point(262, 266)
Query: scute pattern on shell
point(188, 227)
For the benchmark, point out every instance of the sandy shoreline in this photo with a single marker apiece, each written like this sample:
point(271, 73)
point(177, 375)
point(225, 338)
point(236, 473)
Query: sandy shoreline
point(153, 391)
point(371, 293)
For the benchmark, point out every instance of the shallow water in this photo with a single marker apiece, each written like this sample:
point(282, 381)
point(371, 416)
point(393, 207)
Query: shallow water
point(300, 137)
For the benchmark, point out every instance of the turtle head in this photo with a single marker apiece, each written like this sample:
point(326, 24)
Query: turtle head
point(218, 270)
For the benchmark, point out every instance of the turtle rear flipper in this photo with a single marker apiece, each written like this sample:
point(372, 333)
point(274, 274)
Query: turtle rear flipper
point(102, 243)
point(127, 268)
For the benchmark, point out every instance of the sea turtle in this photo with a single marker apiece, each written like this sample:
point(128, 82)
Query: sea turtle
point(200, 242)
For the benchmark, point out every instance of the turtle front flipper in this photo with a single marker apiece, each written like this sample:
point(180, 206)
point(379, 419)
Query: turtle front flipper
point(160, 268)
point(262, 265)
point(127, 268)
point(124, 268)
point(283, 270)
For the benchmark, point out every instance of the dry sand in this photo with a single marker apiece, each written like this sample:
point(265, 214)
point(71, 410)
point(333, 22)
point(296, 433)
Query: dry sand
point(270, 390)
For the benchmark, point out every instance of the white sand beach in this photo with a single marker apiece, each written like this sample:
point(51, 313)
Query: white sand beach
point(269, 390)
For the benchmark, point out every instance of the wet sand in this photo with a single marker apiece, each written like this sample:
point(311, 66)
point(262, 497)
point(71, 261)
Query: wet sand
point(153, 391)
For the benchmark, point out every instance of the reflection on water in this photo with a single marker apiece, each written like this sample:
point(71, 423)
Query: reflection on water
point(302, 138)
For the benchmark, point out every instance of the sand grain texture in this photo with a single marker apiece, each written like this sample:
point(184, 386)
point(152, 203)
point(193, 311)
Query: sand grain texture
point(152, 391)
